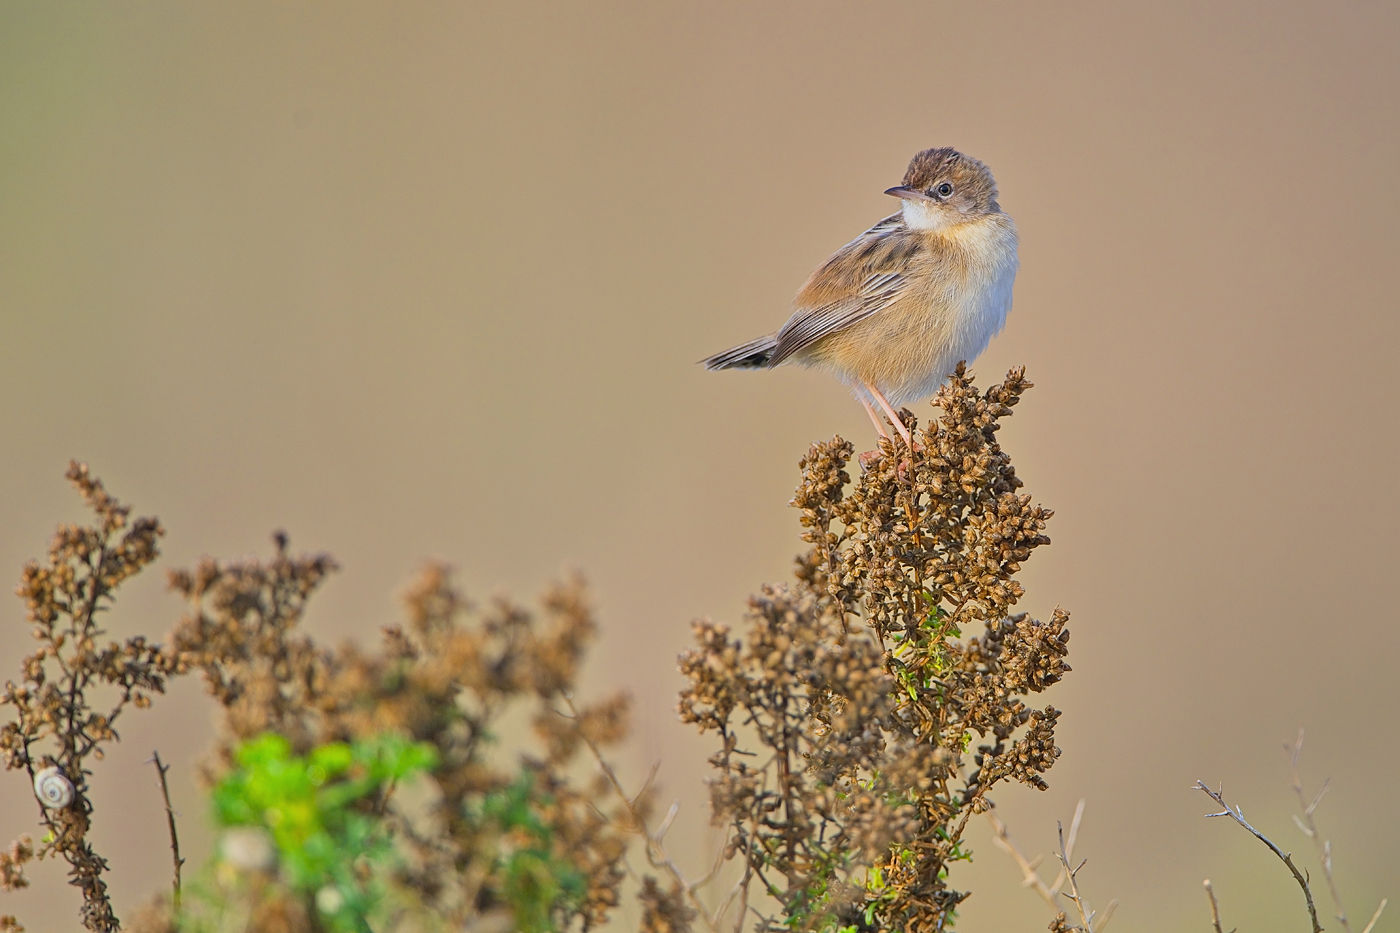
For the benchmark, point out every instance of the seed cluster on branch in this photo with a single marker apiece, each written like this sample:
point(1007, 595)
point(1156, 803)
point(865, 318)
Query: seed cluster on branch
point(847, 710)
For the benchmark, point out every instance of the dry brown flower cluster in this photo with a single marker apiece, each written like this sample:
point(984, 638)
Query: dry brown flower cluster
point(846, 712)
point(446, 678)
point(73, 688)
point(241, 632)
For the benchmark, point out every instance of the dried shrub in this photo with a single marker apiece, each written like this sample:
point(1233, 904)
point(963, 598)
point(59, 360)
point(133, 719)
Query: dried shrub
point(73, 688)
point(241, 632)
point(846, 712)
point(519, 844)
point(510, 842)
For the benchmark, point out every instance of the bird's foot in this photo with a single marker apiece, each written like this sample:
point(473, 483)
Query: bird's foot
point(870, 458)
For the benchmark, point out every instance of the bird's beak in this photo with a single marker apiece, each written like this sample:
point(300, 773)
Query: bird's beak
point(909, 194)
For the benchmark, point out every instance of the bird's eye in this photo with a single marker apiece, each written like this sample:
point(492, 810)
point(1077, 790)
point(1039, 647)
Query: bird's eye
point(945, 189)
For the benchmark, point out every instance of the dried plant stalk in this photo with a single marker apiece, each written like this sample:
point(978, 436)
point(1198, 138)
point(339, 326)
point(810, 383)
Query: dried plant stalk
point(1214, 907)
point(1324, 848)
point(178, 863)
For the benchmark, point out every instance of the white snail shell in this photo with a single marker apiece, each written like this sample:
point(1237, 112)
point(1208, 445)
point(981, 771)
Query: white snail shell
point(53, 788)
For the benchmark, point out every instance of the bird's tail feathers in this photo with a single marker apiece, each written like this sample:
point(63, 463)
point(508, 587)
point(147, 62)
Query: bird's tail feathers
point(756, 354)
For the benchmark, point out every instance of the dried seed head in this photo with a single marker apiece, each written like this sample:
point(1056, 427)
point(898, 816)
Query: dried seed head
point(844, 709)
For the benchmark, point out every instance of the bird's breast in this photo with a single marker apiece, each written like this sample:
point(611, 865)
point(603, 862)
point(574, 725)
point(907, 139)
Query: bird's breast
point(958, 298)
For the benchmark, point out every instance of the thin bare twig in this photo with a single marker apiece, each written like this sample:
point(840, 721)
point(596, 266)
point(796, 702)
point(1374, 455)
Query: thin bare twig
point(1074, 827)
point(1031, 874)
point(1377, 915)
point(1214, 908)
point(1107, 915)
point(1309, 828)
point(741, 888)
point(657, 855)
point(1060, 877)
point(1031, 878)
point(1238, 816)
point(161, 769)
point(1086, 916)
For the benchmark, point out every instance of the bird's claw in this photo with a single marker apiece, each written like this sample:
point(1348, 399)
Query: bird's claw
point(872, 457)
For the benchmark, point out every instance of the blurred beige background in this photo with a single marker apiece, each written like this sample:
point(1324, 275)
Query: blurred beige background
point(429, 280)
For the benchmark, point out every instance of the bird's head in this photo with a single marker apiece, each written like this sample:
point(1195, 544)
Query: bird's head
point(943, 187)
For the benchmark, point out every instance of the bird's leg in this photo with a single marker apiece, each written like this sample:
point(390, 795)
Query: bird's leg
point(868, 459)
point(879, 425)
point(889, 410)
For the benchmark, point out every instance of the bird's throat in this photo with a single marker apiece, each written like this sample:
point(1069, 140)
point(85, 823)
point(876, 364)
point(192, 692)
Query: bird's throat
point(928, 215)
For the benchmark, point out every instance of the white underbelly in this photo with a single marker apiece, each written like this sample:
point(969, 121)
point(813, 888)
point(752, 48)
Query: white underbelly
point(973, 316)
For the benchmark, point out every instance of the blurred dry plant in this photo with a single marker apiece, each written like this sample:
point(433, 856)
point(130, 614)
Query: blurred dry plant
point(1305, 822)
point(494, 848)
point(492, 843)
point(846, 712)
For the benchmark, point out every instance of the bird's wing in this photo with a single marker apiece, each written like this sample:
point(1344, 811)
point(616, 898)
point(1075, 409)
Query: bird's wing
point(863, 278)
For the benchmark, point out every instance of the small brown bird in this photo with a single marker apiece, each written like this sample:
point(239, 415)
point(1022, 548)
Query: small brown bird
point(894, 311)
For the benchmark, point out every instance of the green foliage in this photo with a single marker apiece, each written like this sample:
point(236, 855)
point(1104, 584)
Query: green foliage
point(537, 882)
point(320, 812)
